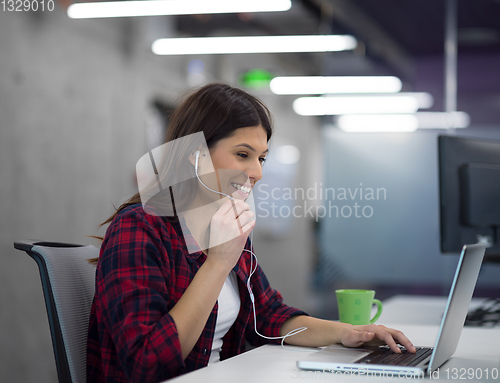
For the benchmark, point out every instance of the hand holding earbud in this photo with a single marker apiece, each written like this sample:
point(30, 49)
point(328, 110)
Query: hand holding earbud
point(229, 230)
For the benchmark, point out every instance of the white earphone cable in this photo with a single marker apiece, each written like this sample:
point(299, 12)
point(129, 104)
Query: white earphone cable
point(252, 298)
point(197, 155)
point(252, 271)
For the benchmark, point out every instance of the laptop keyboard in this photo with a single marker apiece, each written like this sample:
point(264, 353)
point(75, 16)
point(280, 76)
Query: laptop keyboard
point(386, 356)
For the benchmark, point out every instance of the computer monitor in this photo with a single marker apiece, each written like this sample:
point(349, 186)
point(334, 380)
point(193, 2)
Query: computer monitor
point(469, 186)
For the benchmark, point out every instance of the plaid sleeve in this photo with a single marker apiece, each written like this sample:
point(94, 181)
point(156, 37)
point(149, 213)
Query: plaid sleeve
point(270, 310)
point(133, 298)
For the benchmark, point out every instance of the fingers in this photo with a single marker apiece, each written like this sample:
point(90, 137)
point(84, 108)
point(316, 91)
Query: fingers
point(391, 337)
point(226, 207)
point(232, 220)
point(246, 217)
point(382, 333)
point(387, 335)
point(402, 339)
point(248, 227)
point(239, 210)
point(233, 207)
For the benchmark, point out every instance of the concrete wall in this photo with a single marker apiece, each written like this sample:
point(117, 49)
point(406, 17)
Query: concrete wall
point(74, 96)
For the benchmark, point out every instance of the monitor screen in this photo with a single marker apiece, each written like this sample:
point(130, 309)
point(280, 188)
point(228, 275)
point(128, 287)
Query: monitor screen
point(469, 186)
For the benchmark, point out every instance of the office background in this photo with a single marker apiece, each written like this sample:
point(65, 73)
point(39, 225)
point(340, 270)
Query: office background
point(79, 106)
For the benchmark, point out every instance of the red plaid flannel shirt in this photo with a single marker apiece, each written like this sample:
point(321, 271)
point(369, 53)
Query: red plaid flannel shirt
point(143, 270)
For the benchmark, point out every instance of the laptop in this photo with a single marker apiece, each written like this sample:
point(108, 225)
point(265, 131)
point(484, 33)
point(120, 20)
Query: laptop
point(376, 360)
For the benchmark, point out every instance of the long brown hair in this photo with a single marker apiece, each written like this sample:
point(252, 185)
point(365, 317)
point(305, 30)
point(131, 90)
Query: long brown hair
point(217, 110)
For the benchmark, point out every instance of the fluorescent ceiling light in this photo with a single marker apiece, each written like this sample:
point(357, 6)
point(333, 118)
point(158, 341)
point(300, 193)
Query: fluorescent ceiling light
point(173, 7)
point(253, 44)
point(335, 84)
point(378, 123)
point(402, 122)
point(364, 104)
point(442, 120)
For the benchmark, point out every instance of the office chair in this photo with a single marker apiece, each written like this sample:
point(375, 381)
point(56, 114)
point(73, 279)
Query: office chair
point(68, 283)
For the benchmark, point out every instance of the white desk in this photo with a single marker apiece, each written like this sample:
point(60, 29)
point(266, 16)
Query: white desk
point(479, 349)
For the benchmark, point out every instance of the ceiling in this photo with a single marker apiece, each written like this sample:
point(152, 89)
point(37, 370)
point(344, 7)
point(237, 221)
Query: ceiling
point(416, 27)
point(399, 37)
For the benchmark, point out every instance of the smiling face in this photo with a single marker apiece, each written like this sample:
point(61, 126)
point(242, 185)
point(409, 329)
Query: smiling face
point(238, 161)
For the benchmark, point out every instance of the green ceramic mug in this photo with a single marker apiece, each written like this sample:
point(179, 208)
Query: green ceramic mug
point(355, 306)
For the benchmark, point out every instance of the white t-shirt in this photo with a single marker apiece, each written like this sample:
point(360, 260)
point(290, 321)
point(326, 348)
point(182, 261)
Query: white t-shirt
point(229, 306)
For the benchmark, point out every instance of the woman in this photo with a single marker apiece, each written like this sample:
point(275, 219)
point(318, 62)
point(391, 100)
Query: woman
point(161, 310)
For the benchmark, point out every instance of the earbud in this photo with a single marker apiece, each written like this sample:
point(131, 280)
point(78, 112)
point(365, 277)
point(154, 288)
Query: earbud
point(196, 157)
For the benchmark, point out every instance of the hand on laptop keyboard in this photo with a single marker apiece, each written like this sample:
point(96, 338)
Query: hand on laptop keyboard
point(355, 336)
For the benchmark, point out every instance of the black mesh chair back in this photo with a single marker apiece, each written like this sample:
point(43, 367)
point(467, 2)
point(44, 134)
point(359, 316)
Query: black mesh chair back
point(68, 283)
